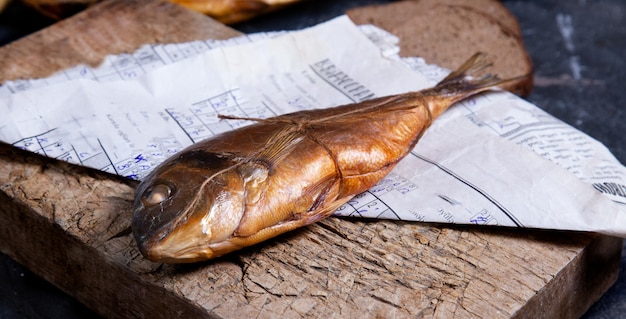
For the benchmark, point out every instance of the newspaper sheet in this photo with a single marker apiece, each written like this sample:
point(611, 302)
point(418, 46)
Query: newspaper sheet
point(490, 160)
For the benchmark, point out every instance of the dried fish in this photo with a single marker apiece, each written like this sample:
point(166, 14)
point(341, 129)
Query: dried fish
point(245, 186)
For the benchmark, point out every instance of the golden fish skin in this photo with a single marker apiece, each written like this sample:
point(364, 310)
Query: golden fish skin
point(251, 184)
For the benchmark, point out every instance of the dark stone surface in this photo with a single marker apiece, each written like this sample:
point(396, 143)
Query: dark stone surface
point(580, 82)
point(594, 103)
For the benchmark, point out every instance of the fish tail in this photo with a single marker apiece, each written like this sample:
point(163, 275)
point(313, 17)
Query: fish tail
point(471, 67)
point(465, 82)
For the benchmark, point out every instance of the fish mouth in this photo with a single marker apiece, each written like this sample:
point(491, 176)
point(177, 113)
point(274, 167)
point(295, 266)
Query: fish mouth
point(175, 252)
point(181, 257)
point(179, 248)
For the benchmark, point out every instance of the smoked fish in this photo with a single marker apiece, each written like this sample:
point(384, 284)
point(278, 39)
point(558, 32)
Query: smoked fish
point(242, 187)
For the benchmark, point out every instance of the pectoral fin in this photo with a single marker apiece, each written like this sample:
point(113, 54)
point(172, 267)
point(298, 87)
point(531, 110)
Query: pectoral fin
point(280, 145)
point(325, 211)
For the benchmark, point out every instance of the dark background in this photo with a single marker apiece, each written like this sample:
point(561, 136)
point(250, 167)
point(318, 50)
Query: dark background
point(594, 104)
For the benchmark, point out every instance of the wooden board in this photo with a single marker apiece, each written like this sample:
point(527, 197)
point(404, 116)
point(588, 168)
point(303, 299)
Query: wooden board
point(112, 27)
point(61, 221)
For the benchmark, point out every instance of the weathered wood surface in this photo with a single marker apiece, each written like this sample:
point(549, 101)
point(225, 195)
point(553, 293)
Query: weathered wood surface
point(111, 27)
point(61, 221)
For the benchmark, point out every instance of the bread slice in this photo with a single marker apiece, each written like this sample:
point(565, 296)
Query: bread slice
point(447, 34)
point(492, 8)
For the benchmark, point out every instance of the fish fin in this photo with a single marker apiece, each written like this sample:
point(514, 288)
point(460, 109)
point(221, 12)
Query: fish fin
point(280, 144)
point(471, 67)
point(325, 211)
point(320, 208)
point(315, 196)
point(465, 81)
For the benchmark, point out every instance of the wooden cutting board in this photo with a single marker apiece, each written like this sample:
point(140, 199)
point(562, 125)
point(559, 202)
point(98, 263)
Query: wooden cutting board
point(62, 222)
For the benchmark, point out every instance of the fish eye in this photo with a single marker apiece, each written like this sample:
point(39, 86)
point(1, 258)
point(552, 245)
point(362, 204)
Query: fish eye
point(156, 194)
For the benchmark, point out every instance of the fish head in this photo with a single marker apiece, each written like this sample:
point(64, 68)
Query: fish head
point(187, 206)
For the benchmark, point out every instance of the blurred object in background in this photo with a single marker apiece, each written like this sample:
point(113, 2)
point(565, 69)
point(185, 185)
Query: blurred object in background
point(225, 11)
point(233, 11)
point(59, 9)
point(3, 4)
point(17, 20)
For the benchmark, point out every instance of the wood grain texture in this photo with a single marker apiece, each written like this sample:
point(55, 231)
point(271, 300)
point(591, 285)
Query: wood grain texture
point(110, 27)
point(66, 224)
